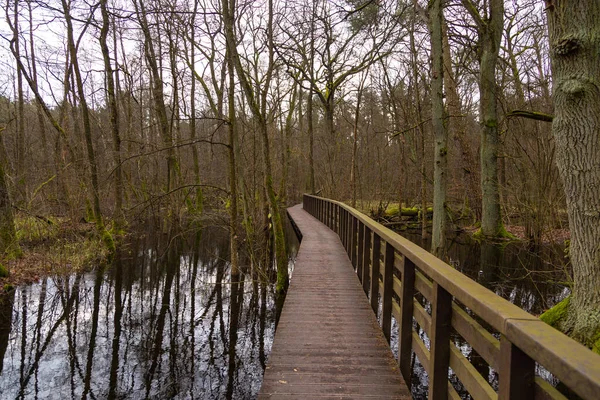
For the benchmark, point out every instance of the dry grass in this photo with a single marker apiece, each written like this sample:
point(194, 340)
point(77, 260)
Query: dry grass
point(52, 247)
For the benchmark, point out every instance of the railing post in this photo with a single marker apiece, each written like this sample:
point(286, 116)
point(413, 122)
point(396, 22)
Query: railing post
point(349, 234)
point(375, 265)
point(517, 372)
point(354, 237)
point(439, 359)
point(333, 217)
point(366, 259)
point(405, 325)
point(360, 249)
point(386, 296)
point(343, 227)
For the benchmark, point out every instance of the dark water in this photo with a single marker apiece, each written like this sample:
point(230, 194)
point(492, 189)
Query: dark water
point(166, 320)
point(531, 278)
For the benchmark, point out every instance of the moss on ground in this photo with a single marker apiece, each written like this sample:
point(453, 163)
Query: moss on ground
point(54, 246)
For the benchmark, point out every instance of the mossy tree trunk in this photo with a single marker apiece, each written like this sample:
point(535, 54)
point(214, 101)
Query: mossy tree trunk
point(440, 165)
point(489, 28)
point(574, 35)
point(8, 238)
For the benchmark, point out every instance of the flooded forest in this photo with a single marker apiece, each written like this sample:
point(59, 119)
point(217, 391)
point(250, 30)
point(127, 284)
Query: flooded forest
point(149, 150)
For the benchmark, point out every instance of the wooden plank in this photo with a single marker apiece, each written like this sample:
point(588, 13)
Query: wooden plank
point(328, 342)
point(420, 351)
point(423, 285)
point(405, 323)
point(386, 298)
point(575, 365)
point(476, 335)
point(516, 373)
point(376, 264)
point(353, 241)
point(360, 249)
point(477, 386)
point(439, 336)
point(366, 264)
point(397, 286)
point(422, 317)
point(545, 391)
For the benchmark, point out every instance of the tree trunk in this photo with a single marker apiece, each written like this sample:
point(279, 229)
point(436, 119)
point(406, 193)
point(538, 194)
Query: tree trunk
point(440, 164)
point(456, 128)
point(490, 33)
point(87, 127)
point(574, 35)
point(9, 247)
point(114, 111)
point(257, 103)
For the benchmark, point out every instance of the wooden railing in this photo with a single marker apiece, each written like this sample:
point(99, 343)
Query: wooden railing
point(425, 295)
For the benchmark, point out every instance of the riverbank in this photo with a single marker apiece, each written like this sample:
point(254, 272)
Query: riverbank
point(50, 247)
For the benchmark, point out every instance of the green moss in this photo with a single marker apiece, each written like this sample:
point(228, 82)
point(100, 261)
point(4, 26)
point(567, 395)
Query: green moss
point(3, 271)
point(596, 343)
point(502, 234)
point(557, 314)
point(108, 240)
point(32, 229)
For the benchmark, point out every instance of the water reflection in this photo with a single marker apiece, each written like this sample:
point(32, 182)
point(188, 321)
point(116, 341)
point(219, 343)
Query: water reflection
point(166, 320)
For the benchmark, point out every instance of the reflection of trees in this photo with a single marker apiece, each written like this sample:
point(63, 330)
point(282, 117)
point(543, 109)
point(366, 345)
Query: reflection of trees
point(171, 266)
point(67, 304)
point(163, 321)
point(6, 310)
point(94, 331)
point(118, 313)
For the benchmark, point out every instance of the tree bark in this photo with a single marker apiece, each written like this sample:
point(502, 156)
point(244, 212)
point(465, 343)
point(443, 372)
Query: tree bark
point(440, 165)
point(87, 127)
point(574, 35)
point(490, 33)
point(113, 109)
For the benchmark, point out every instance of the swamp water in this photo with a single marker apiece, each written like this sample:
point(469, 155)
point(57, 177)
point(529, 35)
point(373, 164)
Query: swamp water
point(164, 321)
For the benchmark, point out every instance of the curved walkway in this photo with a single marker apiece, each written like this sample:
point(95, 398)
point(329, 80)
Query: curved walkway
point(328, 344)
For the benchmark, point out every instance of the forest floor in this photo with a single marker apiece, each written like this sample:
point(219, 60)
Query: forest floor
point(52, 247)
point(388, 212)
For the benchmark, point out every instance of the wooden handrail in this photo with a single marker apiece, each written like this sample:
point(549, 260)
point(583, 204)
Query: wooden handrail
point(524, 340)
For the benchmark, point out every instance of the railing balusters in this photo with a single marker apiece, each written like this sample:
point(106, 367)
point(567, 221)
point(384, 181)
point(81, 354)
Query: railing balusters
point(405, 325)
point(375, 266)
point(524, 339)
point(517, 373)
point(388, 287)
point(354, 241)
point(360, 249)
point(366, 259)
point(439, 359)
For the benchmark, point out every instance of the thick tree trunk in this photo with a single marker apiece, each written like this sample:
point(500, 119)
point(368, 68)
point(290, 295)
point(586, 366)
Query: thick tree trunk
point(575, 39)
point(490, 35)
point(456, 128)
point(440, 165)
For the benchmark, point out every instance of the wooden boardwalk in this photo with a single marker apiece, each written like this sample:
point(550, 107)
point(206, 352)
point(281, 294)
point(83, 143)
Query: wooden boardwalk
point(328, 344)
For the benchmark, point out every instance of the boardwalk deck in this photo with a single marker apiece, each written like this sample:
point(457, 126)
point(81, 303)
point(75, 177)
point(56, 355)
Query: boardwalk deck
point(328, 344)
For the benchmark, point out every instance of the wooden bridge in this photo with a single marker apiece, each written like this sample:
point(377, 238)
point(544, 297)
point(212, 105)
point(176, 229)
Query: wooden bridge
point(329, 344)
